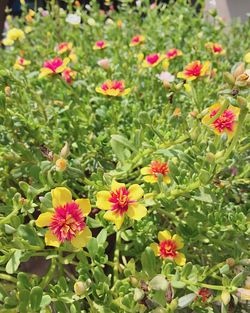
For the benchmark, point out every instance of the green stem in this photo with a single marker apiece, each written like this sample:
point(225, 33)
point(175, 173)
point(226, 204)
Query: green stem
point(214, 287)
point(6, 219)
point(116, 255)
point(8, 278)
point(49, 275)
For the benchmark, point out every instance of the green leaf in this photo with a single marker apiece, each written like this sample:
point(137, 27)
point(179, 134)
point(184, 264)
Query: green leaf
point(28, 233)
point(92, 247)
point(238, 279)
point(13, 262)
point(102, 236)
point(186, 300)
point(178, 284)
point(159, 282)
point(36, 295)
point(148, 262)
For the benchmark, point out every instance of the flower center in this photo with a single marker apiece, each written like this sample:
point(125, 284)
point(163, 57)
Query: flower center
point(67, 221)
point(194, 69)
point(120, 200)
point(62, 46)
point(168, 249)
point(100, 44)
point(226, 120)
point(152, 58)
point(217, 48)
point(136, 39)
point(171, 53)
point(21, 61)
point(53, 64)
point(116, 84)
point(157, 167)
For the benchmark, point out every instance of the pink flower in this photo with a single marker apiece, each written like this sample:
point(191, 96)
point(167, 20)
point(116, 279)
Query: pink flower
point(68, 75)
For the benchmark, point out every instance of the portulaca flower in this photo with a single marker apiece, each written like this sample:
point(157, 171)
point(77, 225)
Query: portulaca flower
point(73, 19)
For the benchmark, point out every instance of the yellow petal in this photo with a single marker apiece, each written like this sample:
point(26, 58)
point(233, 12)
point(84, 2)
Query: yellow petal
point(180, 259)
point(205, 68)
point(61, 68)
point(135, 192)
point(115, 218)
point(205, 120)
point(155, 247)
point(100, 90)
point(102, 200)
point(179, 241)
point(45, 72)
point(60, 196)
point(84, 205)
point(247, 57)
point(51, 239)
point(150, 179)
point(166, 179)
point(181, 75)
point(164, 235)
point(136, 211)
point(115, 185)
point(44, 219)
point(126, 92)
point(146, 170)
point(82, 238)
point(235, 110)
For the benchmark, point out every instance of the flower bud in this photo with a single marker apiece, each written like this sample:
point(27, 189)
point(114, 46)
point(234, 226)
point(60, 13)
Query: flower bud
point(230, 262)
point(247, 282)
point(80, 288)
point(61, 165)
point(7, 91)
point(240, 68)
point(65, 151)
point(133, 281)
point(210, 157)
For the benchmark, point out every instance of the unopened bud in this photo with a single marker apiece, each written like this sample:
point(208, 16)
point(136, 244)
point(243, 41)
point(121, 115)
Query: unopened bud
point(230, 262)
point(247, 282)
point(240, 68)
point(80, 288)
point(133, 281)
point(7, 91)
point(210, 157)
point(65, 151)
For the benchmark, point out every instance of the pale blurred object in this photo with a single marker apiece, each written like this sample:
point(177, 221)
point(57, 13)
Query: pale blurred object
point(229, 9)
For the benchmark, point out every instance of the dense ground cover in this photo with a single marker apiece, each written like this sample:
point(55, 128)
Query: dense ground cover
point(141, 115)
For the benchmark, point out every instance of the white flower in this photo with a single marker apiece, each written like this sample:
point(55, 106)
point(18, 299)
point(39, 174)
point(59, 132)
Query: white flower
point(73, 19)
point(104, 63)
point(166, 77)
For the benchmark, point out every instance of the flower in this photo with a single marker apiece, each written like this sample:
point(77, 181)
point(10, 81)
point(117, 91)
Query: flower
point(54, 66)
point(13, 35)
point(152, 60)
point(73, 19)
point(204, 293)
point(166, 78)
point(64, 47)
point(137, 40)
point(194, 70)
point(68, 75)
point(225, 123)
point(101, 44)
point(104, 63)
point(153, 171)
point(215, 48)
point(173, 53)
point(61, 165)
point(119, 23)
point(30, 15)
point(21, 63)
point(168, 246)
point(113, 88)
point(66, 222)
point(121, 202)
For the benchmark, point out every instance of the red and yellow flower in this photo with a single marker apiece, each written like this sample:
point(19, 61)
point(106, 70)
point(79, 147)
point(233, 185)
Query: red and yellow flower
point(21, 63)
point(101, 44)
point(195, 70)
point(215, 48)
point(204, 294)
point(66, 222)
point(137, 40)
point(173, 53)
point(153, 171)
point(114, 88)
point(152, 60)
point(64, 47)
point(168, 247)
point(121, 202)
point(54, 66)
point(225, 123)
point(68, 75)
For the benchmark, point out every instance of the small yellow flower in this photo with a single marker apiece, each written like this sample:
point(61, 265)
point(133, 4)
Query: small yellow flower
point(21, 63)
point(168, 247)
point(61, 165)
point(13, 35)
point(153, 171)
point(121, 202)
